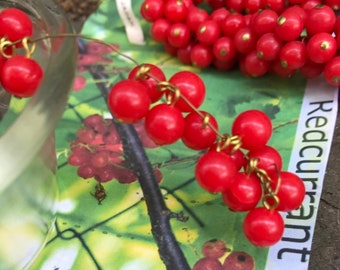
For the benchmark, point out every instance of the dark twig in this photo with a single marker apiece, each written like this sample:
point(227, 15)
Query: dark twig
point(168, 247)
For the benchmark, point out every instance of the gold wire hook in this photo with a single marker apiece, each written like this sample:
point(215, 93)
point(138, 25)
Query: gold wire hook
point(252, 167)
point(4, 44)
point(142, 72)
point(175, 92)
point(273, 204)
point(206, 119)
point(223, 142)
point(28, 46)
point(269, 193)
point(236, 141)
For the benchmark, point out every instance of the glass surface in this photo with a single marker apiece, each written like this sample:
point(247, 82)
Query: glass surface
point(28, 190)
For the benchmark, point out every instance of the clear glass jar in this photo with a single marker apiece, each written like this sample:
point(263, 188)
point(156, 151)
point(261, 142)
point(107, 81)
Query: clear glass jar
point(28, 189)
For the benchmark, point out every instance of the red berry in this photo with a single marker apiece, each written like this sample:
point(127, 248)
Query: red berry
point(290, 190)
point(15, 24)
point(245, 40)
point(178, 35)
point(195, 17)
point(76, 159)
point(86, 135)
point(219, 14)
point(128, 101)
point(309, 4)
point(332, 71)
point(268, 47)
point(201, 55)
point(152, 10)
point(320, 18)
point(297, 10)
point(295, 2)
point(224, 65)
point(264, 22)
point(277, 68)
point(254, 127)
point(190, 86)
point(255, 66)
point(159, 30)
point(224, 49)
point(232, 24)
point(175, 11)
point(263, 227)
point(207, 264)
point(214, 248)
point(237, 156)
point(99, 159)
point(334, 4)
point(104, 174)
point(164, 124)
point(293, 54)
point(86, 171)
point(244, 194)
point(321, 47)
point(215, 171)
point(21, 76)
point(208, 32)
point(198, 135)
point(269, 159)
point(235, 5)
point(184, 53)
point(150, 80)
point(311, 69)
point(215, 4)
point(289, 26)
point(252, 6)
point(239, 260)
point(275, 5)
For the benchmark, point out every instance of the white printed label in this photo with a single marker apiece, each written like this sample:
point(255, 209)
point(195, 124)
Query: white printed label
point(308, 160)
point(133, 29)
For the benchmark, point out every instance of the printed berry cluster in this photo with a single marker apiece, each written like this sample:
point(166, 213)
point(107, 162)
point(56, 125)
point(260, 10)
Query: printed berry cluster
point(20, 75)
point(97, 152)
point(240, 166)
point(215, 250)
point(258, 36)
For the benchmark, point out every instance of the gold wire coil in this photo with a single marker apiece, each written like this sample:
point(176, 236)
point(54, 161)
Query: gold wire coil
point(27, 45)
point(270, 200)
point(175, 92)
point(143, 72)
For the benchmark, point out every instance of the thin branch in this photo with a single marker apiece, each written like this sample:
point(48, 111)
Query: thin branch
point(168, 247)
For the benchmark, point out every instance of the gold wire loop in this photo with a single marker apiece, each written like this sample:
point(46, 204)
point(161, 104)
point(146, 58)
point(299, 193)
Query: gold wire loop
point(4, 44)
point(28, 46)
point(175, 92)
point(142, 72)
point(252, 167)
point(223, 142)
point(274, 201)
point(278, 184)
point(236, 142)
point(206, 119)
point(270, 200)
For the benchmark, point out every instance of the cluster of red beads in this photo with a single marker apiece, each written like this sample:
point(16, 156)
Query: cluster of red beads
point(97, 152)
point(241, 175)
point(20, 75)
point(259, 36)
point(214, 252)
